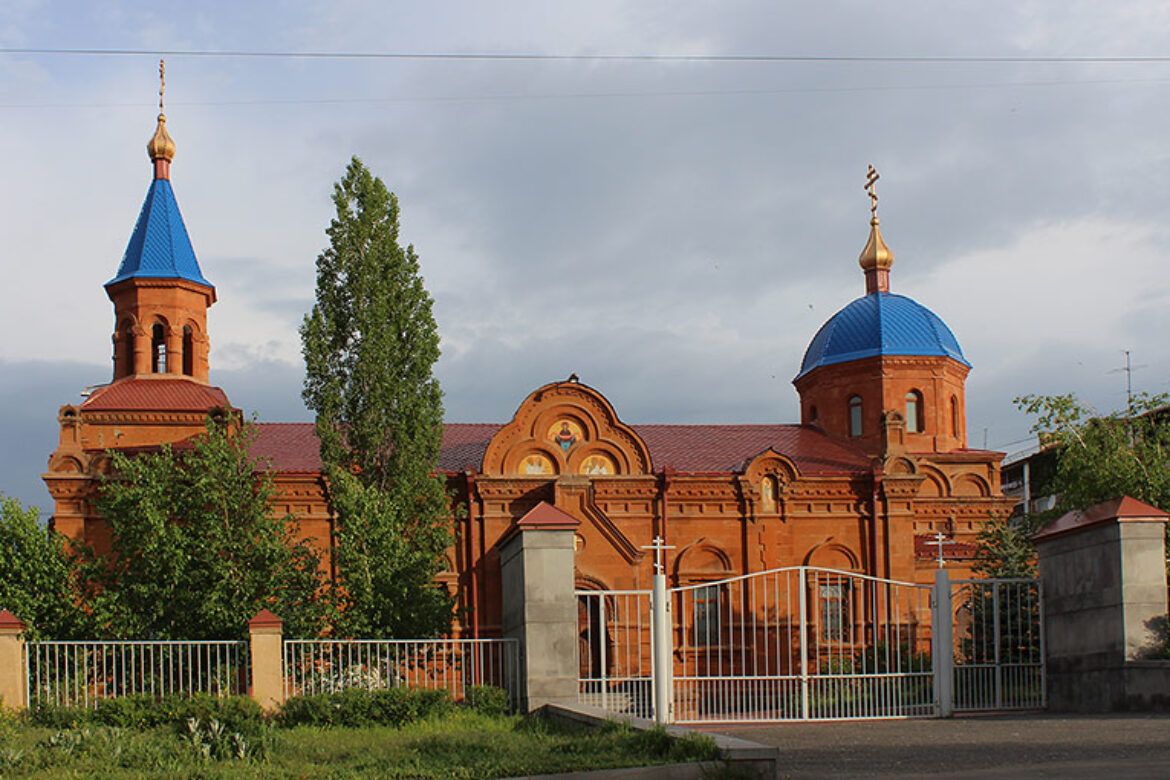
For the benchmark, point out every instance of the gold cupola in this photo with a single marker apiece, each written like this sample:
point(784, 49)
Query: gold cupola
point(876, 258)
point(161, 147)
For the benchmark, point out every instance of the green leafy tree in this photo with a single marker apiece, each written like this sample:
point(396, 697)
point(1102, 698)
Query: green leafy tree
point(196, 552)
point(370, 344)
point(38, 580)
point(1097, 457)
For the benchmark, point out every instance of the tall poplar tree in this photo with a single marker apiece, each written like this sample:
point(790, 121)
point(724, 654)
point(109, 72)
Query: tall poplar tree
point(370, 344)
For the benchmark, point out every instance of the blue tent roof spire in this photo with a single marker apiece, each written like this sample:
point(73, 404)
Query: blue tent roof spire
point(160, 248)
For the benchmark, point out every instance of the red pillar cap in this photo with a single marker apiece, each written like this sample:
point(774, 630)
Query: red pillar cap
point(8, 620)
point(265, 619)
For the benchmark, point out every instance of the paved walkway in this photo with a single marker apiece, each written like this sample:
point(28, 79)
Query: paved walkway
point(1115, 747)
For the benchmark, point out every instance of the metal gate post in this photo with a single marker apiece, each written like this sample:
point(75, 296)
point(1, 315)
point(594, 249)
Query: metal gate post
point(998, 640)
point(604, 660)
point(661, 640)
point(942, 645)
point(803, 606)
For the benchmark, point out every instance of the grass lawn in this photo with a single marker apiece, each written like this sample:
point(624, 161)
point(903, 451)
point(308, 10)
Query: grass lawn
point(457, 744)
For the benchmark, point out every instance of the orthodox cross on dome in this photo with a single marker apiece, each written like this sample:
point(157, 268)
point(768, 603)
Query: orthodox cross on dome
point(871, 178)
point(876, 258)
point(659, 546)
point(161, 146)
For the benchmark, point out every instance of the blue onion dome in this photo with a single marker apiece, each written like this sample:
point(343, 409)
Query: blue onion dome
point(881, 323)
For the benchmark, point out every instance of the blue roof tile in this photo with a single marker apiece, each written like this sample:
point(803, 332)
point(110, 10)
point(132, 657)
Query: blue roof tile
point(880, 324)
point(159, 248)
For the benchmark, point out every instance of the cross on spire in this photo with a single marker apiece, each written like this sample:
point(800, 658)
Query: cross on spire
point(162, 82)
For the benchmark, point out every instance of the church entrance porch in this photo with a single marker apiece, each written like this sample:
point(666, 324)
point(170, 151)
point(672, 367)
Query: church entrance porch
point(809, 643)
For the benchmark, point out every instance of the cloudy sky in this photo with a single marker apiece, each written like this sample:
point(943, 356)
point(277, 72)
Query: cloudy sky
point(674, 230)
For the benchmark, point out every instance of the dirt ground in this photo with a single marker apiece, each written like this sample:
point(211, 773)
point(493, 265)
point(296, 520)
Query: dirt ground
point(1118, 747)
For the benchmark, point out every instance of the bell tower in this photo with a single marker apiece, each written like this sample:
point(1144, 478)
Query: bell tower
point(159, 294)
point(159, 393)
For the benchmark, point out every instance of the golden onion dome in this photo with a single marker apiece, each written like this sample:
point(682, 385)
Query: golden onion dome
point(161, 146)
point(876, 254)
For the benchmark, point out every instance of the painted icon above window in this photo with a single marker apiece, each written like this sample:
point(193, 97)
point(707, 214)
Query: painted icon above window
point(536, 463)
point(565, 433)
point(598, 464)
point(768, 494)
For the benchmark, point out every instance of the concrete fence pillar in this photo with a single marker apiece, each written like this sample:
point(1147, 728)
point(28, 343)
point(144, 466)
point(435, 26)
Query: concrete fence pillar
point(1103, 570)
point(540, 605)
point(267, 659)
point(13, 681)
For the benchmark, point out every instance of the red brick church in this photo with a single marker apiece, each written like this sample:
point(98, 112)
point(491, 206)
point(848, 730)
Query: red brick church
point(876, 469)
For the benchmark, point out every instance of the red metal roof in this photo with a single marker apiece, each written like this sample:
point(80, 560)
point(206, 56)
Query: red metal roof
point(684, 448)
point(155, 394)
point(1124, 509)
point(545, 515)
point(725, 447)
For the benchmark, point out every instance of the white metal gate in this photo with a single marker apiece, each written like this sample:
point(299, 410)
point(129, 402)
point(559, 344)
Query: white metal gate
point(805, 643)
point(614, 650)
point(998, 645)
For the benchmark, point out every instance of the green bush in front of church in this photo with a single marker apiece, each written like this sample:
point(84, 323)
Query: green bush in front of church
point(196, 551)
point(37, 581)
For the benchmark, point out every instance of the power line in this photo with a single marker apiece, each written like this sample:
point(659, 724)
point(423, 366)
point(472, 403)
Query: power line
point(529, 56)
point(604, 95)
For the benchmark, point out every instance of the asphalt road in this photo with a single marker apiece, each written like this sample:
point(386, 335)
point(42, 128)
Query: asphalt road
point(1117, 747)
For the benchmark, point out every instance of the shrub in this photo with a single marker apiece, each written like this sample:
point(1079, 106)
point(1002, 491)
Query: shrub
point(357, 708)
point(55, 716)
point(237, 713)
point(487, 700)
point(140, 711)
point(317, 710)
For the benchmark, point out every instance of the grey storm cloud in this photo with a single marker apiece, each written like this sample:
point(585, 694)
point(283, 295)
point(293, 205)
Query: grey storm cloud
point(673, 231)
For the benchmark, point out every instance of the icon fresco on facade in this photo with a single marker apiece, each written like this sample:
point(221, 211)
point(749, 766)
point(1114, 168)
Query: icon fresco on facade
point(597, 464)
point(537, 464)
point(565, 433)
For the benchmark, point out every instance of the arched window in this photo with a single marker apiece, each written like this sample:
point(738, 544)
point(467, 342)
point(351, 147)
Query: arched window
point(158, 349)
point(855, 416)
point(915, 413)
point(812, 413)
point(706, 625)
point(955, 423)
point(834, 594)
point(125, 359)
point(188, 351)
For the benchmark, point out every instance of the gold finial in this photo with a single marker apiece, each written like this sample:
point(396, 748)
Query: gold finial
point(876, 258)
point(161, 147)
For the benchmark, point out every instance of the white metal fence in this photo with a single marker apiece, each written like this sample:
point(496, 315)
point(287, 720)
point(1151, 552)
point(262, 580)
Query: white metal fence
point(313, 666)
point(79, 674)
point(998, 644)
point(805, 643)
